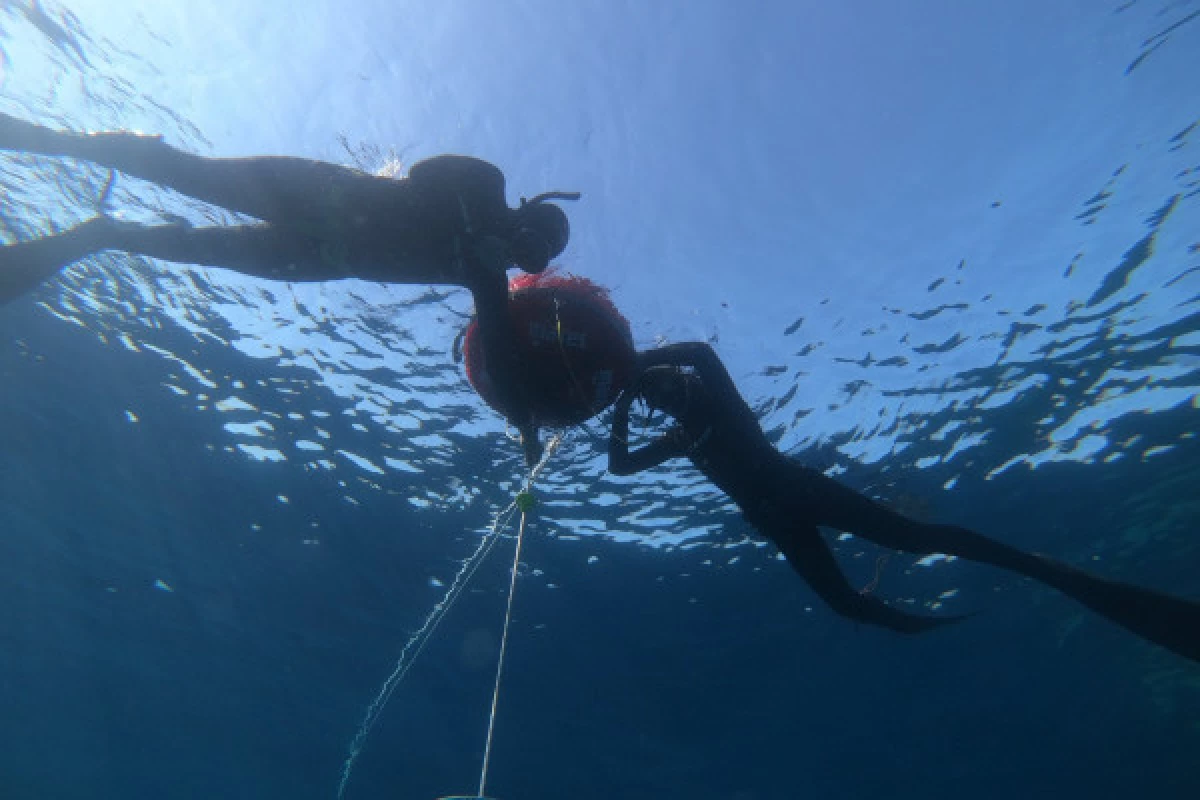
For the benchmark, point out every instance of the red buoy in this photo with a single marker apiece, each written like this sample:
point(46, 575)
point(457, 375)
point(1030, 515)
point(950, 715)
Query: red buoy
point(575, 348)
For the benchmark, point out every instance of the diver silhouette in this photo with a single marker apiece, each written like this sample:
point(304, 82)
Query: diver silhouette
point(447, 222)
point(786, 501)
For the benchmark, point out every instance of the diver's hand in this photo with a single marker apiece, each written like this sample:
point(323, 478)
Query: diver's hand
point(532, 446)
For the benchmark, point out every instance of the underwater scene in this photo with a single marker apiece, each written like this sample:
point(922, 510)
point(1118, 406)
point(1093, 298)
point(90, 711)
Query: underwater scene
point(599, 399)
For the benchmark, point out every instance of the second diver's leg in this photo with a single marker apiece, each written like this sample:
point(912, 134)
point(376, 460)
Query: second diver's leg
point(810, 556)
point(299, 193)
point(1173, 622)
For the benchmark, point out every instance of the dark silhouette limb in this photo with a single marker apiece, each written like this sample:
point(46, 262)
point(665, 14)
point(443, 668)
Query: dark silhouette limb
point(1172, 622)
point(296, 192)
point(258, 250)
point(25, 265)
point(810, 556)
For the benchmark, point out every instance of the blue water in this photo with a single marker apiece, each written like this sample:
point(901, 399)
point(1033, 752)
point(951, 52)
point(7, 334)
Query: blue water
point(951, 254)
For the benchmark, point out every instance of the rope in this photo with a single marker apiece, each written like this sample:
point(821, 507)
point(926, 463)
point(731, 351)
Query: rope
point(512, 591)
point(415, 644)
point(523, 501)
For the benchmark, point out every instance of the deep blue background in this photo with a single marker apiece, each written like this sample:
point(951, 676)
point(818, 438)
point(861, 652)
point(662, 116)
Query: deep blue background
point(248, 679)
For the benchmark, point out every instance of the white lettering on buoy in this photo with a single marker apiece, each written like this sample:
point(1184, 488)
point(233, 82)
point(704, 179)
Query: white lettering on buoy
point(544, 333)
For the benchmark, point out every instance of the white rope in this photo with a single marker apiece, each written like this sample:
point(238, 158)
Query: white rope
point(417, 642)
point(512, 591)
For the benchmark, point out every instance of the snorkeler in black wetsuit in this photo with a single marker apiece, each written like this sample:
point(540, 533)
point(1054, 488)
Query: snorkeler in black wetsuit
point(446, 223)
point(786, 501)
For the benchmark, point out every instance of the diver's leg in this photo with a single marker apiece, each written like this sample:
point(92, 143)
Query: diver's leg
point(296, 192)
point(24, 265)
point(262, 251)
point(837, 506)
point(1173, 622)
point(810, 556)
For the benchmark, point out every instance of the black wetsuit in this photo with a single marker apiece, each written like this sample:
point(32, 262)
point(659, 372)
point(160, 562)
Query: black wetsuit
point(786, 501)
point(446, 223)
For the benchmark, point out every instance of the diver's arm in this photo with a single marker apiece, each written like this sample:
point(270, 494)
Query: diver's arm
point(701, 357)
point(490, 291)
point(621, 461)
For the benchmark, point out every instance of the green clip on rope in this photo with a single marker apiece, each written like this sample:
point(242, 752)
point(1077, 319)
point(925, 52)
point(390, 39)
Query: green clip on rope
point(525, 501)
